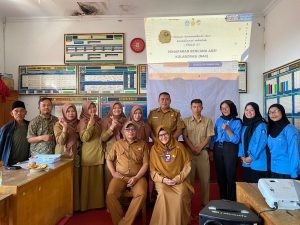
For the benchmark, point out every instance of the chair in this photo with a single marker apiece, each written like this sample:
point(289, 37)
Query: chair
point(128, 194)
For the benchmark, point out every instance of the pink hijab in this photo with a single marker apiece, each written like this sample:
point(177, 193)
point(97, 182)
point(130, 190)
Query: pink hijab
point(85, 117)
point(70, 148)
point(107, 121)
point(143, 129)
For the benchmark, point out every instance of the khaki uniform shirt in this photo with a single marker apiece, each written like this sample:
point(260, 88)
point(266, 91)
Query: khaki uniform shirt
point(129, 158)
point(41, 126)
point(171, 119)
point(197, 132)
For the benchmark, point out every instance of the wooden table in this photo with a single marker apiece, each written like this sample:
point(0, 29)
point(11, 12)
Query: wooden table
point(251, 196)
point(4, 209)
point(40, 198)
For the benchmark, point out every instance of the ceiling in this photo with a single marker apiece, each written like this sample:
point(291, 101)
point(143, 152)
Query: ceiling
point(144, 8)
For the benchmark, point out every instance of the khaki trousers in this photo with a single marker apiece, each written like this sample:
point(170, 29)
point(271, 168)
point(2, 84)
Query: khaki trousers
point(201, 167)
point(115, 189)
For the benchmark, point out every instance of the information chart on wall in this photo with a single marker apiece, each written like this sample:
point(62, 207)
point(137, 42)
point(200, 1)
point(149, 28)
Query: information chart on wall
point(47, 79)
point(128, 102)
point(142, 75)
point(58, 103)
point(94, 48)
point(282, 85)
point(108, 79)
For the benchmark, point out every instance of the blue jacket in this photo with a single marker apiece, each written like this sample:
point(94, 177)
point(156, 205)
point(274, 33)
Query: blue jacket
point(257, 148)
point(285, 152)
point(6, 140)
point(221, 135)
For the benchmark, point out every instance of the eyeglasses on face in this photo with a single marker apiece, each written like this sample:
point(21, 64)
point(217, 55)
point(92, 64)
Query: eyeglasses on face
point(163, 135)
point(130, 129)
point(273, 112)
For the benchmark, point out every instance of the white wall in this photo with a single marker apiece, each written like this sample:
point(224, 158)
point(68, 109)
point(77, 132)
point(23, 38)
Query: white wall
point(41, 42)
point(282, 35)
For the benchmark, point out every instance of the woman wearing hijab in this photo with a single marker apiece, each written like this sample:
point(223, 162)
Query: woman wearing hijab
point(68, 145)
point(252, 147)
point(226, 140)
point(111, 132)
point(143, 129)
point(283, 143)
point(170, 165)
point(92, 158)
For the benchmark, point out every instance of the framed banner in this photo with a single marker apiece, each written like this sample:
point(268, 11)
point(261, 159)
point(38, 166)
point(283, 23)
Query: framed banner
point(242, 77)
point(47, 79)
point(94, 48)
point(59, 101)
point(142, 81)
point(127, 101)
point(108, 79)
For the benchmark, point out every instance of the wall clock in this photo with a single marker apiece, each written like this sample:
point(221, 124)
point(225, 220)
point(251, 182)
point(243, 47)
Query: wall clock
point(137, 45)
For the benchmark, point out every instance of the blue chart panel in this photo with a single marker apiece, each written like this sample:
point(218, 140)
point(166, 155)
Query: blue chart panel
point(108, 79)
point(127, 102)
point(47, 79)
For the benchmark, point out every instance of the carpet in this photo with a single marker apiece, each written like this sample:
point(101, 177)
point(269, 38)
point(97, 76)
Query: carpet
point(102, 217)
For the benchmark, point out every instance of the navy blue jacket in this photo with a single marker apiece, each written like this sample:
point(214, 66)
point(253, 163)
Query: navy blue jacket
point(6, 140)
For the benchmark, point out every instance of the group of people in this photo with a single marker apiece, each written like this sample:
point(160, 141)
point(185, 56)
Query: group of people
point(111, 154)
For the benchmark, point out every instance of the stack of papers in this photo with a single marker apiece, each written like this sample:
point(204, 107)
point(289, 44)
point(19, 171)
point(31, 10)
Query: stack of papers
point(47, 158)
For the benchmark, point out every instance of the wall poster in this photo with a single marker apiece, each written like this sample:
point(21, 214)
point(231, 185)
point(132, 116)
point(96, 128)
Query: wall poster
point(94, 48)
point(47, 79)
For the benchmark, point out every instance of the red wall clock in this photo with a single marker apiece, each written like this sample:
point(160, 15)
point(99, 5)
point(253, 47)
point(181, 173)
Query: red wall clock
point(137, 45)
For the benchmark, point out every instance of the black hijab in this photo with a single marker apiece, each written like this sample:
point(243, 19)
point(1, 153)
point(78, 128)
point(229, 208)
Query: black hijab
point(275, 127)
point(233, 111)
point(251, 125)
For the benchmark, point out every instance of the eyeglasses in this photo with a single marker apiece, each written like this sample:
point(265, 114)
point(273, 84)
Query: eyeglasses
point(163, 135)
point(130, 129)
point(275, 111)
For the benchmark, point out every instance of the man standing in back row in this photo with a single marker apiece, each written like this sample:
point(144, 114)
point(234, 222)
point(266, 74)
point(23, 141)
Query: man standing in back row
point(197, 134)
point(165, 116)
point(40, 131)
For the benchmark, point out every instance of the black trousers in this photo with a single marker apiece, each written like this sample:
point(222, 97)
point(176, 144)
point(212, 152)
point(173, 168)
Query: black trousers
point(252, 176)
point(226, 160)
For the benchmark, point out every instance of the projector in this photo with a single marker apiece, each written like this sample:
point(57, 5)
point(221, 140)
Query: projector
point(280, 193)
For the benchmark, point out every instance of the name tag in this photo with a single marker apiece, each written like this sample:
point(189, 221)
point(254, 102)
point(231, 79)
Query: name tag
point(167, 157)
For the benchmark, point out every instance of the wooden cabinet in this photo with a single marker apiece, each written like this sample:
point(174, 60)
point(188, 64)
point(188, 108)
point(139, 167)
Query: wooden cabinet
point(4, 209)
point(5, 107)
point(40, 198)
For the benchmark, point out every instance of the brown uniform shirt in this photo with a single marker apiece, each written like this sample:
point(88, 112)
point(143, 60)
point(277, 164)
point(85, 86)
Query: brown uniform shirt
point(129, 158)
point(171, 119)
point(197, 132)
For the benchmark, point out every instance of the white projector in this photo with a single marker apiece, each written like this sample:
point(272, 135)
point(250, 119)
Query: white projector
point(280, 193)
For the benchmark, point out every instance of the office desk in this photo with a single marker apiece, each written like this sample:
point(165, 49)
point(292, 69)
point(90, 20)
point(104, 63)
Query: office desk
point(4, 209)
point(40, 198)
point(251, 196)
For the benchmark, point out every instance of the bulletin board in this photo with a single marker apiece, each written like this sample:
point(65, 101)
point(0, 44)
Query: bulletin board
point(94, 48)
point(242, 77)
point(58, 103)
point(127, 101)
point(108, 79)
point(142, 78)
point(54, 79)
point(282, 85)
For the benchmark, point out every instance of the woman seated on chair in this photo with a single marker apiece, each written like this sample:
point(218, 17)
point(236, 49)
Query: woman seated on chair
point(127, 161)
point(170, 165)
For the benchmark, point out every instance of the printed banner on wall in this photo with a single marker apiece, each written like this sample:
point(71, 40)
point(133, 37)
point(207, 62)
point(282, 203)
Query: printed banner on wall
point(198, 38)
point(212, 82)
